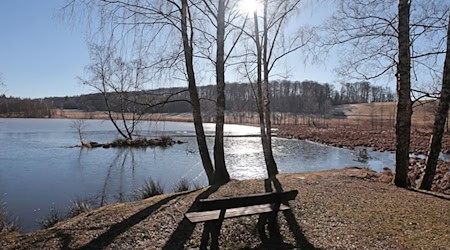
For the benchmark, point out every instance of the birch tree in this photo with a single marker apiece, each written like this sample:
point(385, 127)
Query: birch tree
point(118, 82)
point(439, 123)
point(154, 23)
point(187, 33)
point(272, 44)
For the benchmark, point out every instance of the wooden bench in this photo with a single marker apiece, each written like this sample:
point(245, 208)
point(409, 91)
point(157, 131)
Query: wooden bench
point(214, 211)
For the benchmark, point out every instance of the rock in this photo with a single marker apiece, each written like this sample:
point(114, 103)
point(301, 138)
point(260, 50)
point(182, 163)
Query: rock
point(385, 177)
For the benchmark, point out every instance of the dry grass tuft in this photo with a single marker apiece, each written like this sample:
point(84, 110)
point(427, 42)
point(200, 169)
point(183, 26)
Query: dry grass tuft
point(149, 189)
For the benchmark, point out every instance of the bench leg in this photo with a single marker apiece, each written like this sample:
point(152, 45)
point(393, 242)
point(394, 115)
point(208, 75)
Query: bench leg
point(262, 221)
point(205, 235)
point(274, 229)
point(271, 221)
point(215, 233)
point(211, 228)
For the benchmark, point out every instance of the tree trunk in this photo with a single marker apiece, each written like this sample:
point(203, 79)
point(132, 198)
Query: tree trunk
point(270, 161)
point(196, 111)
point(259, 97)
point(404, 104)
point(439, 123)
point(221, 175)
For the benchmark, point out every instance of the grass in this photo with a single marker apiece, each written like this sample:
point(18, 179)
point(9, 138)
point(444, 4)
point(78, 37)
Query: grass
point(7, 225)
point(181, 186)
point(53, 217)
point(149, 189)
point(197, 186)
point(79, 206)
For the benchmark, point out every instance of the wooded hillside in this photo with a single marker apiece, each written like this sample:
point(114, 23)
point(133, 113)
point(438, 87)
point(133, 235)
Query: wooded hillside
point(307, 97)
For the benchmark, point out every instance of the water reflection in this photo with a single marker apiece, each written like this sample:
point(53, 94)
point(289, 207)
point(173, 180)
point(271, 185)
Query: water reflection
point(361, 155)
point(37, 172)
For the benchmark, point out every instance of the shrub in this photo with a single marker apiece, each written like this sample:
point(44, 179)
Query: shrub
point(79, 206)
point(166, 141)
point(51, 219)
point(181, 186)
point(149, 189)
point(5, 224)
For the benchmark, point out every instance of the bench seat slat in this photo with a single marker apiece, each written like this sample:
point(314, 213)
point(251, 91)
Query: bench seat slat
point(248, 200)
point(196, 217)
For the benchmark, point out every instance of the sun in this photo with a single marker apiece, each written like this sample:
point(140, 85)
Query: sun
point(248, 6)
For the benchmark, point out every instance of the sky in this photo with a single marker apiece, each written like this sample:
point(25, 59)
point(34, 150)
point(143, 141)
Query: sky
point(41, 55)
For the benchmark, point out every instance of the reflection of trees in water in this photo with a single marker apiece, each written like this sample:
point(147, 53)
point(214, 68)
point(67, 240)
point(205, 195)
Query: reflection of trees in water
point(119, 162)
point(124, 158)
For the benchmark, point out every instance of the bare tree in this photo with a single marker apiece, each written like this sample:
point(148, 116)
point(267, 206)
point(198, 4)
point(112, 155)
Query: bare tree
point(441, 117)
point(159, 21)
point(116, 80)
point(187, 34)
point(79, 125)
point(404, 104)
point(386, 38)
point(220, 17)
point(271, 45)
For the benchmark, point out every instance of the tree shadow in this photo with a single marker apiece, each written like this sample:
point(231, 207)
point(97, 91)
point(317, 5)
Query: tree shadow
point(59, 235)
point(65, 239)
point(277, 242)
point(185, 228)
point(117, 229)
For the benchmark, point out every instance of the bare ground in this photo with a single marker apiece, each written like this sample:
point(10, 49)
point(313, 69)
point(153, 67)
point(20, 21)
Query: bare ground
point(336, 209)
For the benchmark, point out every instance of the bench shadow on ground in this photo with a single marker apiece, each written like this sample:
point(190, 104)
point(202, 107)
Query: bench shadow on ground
point(276, 241)
point(185, 229)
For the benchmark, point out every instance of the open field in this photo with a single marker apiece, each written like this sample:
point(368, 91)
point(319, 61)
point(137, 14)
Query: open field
point(378, 116)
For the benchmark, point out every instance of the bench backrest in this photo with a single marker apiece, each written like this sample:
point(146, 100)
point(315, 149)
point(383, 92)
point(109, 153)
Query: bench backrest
point(244, 201)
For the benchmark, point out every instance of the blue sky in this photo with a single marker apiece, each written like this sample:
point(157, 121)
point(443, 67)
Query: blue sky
point(41, 55)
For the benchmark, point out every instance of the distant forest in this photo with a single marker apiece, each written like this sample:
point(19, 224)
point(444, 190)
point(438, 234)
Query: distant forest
point(306, 97)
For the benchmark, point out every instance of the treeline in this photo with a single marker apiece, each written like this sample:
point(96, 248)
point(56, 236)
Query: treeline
point(30, 108)
point(306, 97)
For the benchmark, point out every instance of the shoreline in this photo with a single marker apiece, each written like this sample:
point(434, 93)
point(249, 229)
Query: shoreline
point(349, 208)
point(350, 137)
point(384, 140)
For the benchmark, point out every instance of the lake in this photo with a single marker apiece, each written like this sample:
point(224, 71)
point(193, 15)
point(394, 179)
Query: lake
point(38, 171)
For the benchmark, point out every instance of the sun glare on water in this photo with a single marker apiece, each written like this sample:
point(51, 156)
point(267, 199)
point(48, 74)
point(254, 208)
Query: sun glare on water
point(248, 6)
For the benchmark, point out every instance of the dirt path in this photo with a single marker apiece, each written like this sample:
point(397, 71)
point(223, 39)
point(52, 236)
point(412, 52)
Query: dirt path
point(337, 209)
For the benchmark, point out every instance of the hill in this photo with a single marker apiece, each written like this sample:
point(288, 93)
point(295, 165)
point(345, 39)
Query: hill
point(307, 97)
point(423, 112)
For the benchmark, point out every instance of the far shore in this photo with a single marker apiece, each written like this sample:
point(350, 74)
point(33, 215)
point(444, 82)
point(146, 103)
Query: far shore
point(169, 117)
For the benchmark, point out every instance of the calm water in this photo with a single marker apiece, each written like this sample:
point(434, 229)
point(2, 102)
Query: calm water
point(38, 171)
